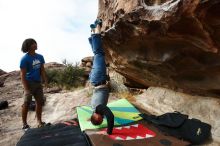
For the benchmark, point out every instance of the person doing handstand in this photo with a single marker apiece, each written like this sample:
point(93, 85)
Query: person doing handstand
point(98, 78)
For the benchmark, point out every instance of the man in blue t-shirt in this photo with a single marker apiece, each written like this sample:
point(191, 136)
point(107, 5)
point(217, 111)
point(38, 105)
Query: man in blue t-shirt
point(32, 71)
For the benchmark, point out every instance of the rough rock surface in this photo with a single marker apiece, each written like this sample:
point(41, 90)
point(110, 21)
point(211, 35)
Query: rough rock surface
point(166, 43)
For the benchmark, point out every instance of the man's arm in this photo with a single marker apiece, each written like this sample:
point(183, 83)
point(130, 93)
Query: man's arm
point(43, 75)
point(104, 110)
point(24, 81)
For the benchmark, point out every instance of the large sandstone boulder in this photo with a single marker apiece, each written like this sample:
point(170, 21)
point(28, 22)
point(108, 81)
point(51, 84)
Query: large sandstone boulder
point(167, 43)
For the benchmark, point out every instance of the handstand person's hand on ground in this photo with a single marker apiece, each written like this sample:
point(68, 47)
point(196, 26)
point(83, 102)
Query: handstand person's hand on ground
point(97, 117)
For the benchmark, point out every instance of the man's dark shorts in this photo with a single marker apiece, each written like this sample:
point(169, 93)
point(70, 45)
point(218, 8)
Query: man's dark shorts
point(36, 90)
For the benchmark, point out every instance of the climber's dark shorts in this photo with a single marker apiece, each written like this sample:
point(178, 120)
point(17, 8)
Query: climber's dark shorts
point(36, 90)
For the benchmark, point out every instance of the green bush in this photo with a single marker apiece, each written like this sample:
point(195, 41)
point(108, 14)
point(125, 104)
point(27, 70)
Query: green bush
point(68, 77)
point(53, 76)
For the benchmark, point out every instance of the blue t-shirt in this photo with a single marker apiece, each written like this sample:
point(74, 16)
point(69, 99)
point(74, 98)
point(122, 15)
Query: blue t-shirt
point(32, 64)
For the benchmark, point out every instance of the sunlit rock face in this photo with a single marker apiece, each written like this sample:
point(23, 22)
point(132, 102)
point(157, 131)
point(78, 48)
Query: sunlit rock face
point(167, 43)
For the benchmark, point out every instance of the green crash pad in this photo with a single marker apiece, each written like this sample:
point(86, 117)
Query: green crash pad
point(123, 111)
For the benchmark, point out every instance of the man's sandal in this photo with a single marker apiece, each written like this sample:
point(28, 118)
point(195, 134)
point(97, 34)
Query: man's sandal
point(25, 127)
point(43, 124)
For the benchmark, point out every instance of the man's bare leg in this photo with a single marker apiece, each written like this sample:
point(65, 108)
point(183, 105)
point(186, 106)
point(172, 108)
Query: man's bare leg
point(24, 111)
point(39, 111)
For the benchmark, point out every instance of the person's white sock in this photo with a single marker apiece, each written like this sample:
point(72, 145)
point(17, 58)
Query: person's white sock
point(98, 29)
point(93, 31)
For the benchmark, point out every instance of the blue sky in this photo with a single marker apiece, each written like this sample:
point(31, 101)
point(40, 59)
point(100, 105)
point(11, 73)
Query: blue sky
point(60, 27)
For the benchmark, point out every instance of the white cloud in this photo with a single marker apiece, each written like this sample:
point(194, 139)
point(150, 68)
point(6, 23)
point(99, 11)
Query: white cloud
point(60, 27)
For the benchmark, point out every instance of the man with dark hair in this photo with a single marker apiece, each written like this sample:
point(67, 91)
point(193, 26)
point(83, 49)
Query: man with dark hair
point(97, 117)
point(98, 78)
point(32, 70)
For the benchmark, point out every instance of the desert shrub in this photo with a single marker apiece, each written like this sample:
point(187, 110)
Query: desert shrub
point(68, 77)
point(53, 76)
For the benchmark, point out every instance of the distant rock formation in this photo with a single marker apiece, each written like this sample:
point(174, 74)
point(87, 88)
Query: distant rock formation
point(86, 64)
point(3, 76)
point(2, 72)
point(53, 65)
point(167, 43)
